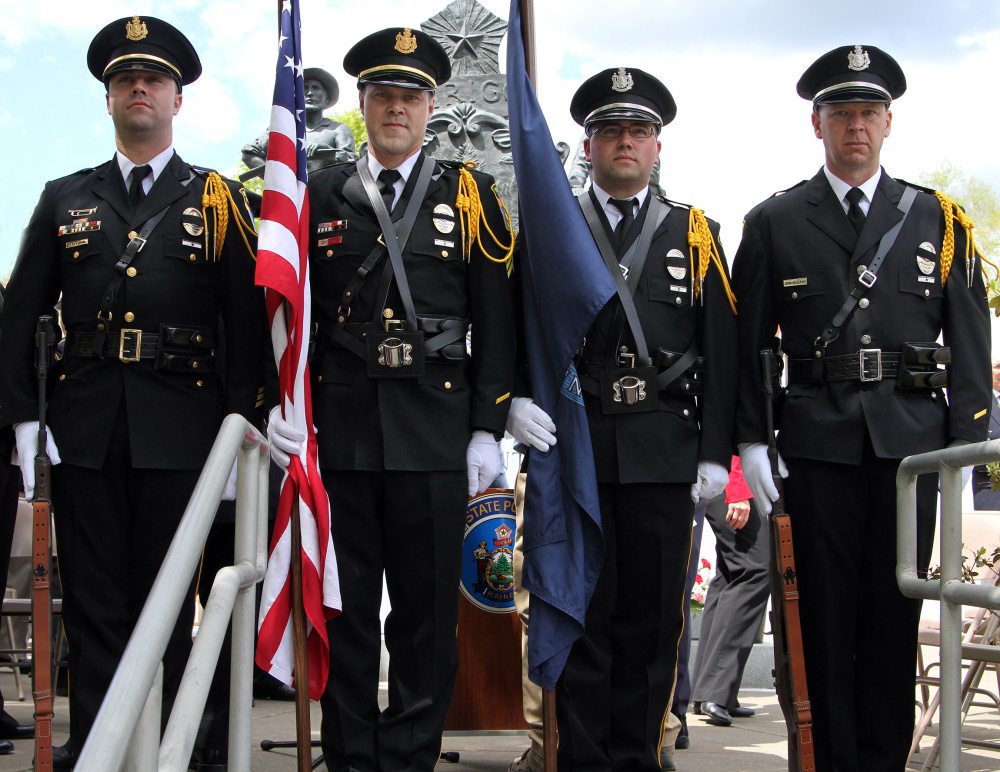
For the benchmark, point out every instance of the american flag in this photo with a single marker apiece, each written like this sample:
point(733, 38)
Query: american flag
point(283, 270)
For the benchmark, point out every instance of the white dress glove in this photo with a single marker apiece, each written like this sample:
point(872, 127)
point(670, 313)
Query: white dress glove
point(482, 460)
point(712, 480)
point(26, 438)
point(283, 438)
point(531, 425)
point(757, 473)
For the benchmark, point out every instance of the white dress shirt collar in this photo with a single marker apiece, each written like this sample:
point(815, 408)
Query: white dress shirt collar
point(613, 212)
point(840, 188)
point(404, 169)
point(157, 164)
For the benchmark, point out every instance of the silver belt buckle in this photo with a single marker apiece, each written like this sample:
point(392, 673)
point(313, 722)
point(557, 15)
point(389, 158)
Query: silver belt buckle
point(129, 345)
point(865, 373)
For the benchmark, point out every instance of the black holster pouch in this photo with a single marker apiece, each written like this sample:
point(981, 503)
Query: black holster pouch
point(919, 366)
point(394, 353)
point(690, 383)
point(629, 390)
point(185, 349)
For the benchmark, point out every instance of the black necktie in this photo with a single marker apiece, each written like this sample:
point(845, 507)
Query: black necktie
point(625, 207)
point(855, 214)
point(135, 192)
point(386, 179)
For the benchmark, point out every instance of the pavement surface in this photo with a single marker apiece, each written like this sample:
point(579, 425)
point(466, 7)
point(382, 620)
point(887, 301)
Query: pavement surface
point(756, 744)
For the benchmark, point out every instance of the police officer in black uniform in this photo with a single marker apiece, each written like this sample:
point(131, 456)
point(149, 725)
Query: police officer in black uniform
point(407, 418)
point(864, 392)
point(660, 406)
point(150, 276)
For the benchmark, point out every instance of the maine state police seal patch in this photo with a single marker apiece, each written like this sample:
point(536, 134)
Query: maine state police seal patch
point(488, 552)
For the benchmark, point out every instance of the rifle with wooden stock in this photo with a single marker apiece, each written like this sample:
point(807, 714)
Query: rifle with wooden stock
point(789, 663)
point(41, 599)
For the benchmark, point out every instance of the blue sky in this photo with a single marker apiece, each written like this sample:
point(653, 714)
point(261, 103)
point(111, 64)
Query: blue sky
point(740, 134)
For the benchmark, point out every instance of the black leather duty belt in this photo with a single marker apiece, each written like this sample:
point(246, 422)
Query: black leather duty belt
point(866, 365)
point(173, 348)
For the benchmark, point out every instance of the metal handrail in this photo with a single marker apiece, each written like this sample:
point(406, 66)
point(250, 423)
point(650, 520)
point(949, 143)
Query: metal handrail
point(132, 699)
point(949, 589)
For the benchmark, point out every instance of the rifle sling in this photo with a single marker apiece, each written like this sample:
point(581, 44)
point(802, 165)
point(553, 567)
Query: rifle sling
point(41, 626)
point(795, 704)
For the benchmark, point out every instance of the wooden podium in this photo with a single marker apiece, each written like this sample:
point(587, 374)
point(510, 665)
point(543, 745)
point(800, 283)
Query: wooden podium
point(488, 686)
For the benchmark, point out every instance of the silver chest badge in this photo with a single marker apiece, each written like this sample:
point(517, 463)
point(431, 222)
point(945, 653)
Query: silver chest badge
point(194, 228)
point(925, 264)
point(858, 59)
point(621, 81)
point(443, 225)
point(677, 271)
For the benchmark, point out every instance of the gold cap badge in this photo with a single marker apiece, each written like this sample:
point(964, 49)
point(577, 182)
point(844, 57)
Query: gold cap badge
point(136, 29)
point(405, 42)
point(621, 81)
point(858, 59)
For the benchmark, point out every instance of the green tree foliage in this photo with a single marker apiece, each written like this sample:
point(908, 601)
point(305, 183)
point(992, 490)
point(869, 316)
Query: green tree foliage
point(356, 121)
point(980, 200)
point(977, 197)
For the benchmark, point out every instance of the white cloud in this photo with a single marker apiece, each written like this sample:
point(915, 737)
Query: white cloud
point(740, 134)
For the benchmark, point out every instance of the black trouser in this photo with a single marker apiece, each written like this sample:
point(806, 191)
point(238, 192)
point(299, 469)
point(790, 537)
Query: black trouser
point(614, 693)
point(114, 526)
point(409, 525)
point(736, 601)
point(10, 484)
point(859, 633)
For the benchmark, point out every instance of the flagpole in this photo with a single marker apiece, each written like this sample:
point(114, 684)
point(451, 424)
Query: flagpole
point(528, 37)
point(303, 728)
point(550, 733)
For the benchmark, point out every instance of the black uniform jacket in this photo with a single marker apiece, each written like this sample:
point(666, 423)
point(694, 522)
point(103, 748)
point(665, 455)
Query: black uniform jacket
point(423, 423)
point(797, 262)
point(664, 446)
point(173, 417)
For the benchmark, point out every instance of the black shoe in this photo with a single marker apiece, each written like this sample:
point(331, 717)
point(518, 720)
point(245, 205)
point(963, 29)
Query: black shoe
point(17, 731)
point(683, 741)
point(63, 757)
point(717, 714)
point(696, 708)
point(209, 760)
point(667, 759)
point(270, 688)
point(741, 712)
point(6, 746)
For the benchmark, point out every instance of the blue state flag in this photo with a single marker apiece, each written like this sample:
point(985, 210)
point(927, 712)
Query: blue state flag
point(565, 285)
